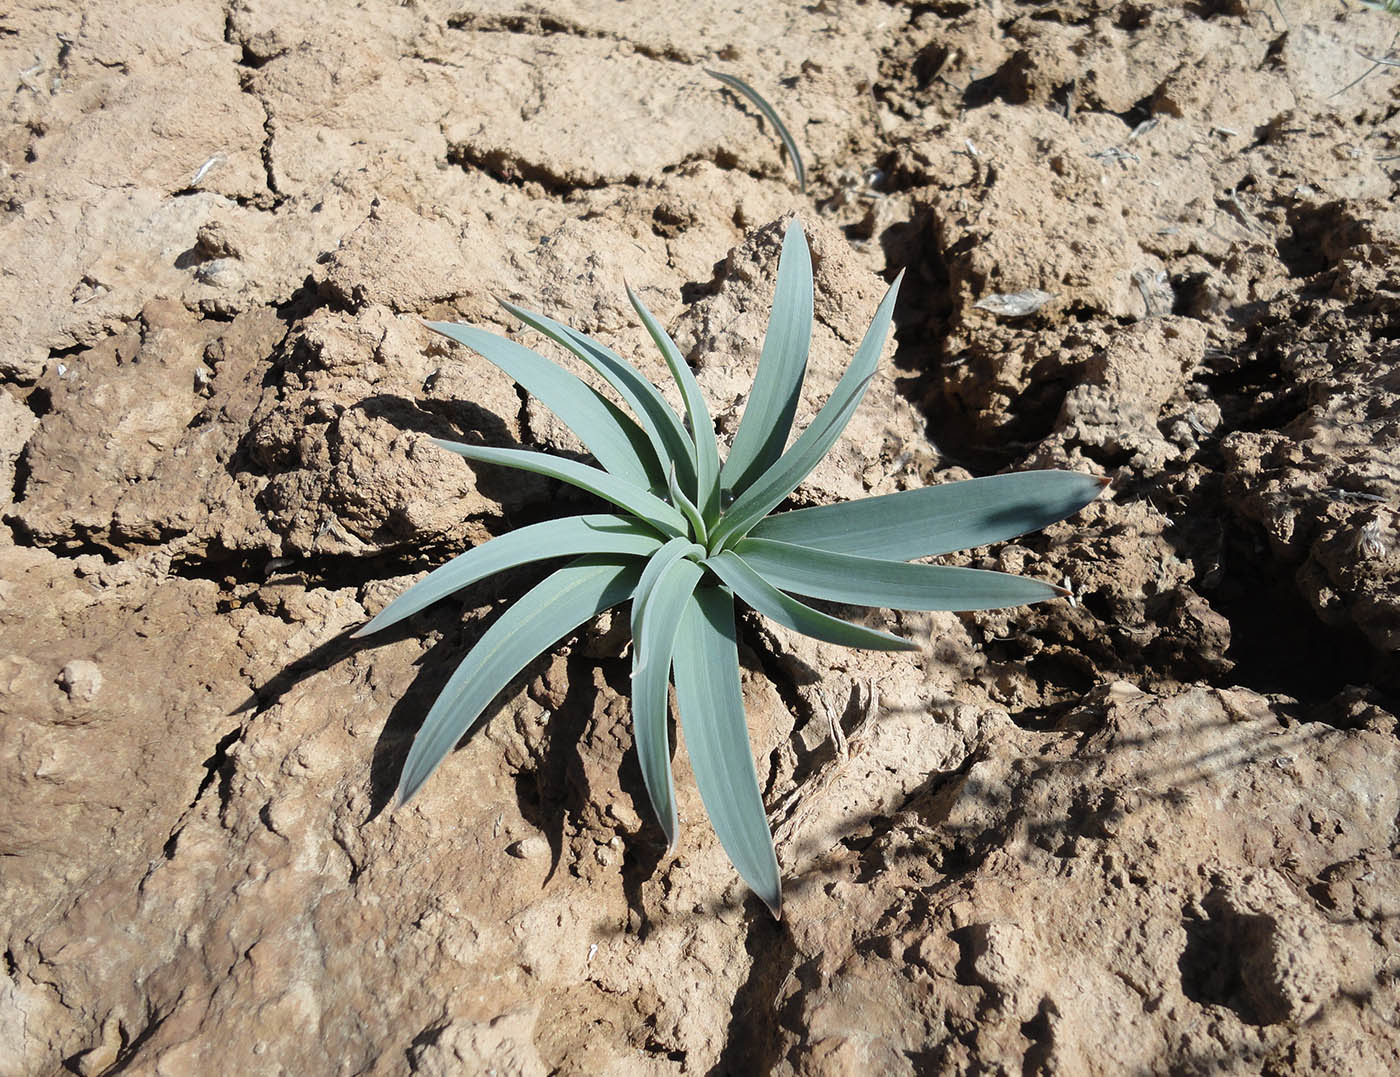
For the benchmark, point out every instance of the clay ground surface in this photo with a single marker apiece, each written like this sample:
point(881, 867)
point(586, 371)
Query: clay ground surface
point(1149, 830)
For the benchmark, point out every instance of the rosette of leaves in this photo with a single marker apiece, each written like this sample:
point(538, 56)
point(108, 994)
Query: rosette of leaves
point(691, 535)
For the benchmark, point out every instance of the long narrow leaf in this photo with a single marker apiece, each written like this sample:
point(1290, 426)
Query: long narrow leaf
point(569, 537)
point(554, 608)
point(763, 431)
point(662, 425)
point(787, 611)
point(620, 492)
point(617, 442)
point(688, 507)
point(937, 519)
point(702, 426)
point(717, 739)
point(656, 613)
point(806, 452)
point(674, 550)
point(648, 641)
point(868, 581)
point(789, 143)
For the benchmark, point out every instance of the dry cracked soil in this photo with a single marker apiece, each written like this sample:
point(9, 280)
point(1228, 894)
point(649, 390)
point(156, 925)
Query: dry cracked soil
point(1151, 829)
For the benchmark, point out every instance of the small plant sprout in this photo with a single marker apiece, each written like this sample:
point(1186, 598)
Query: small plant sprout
point(690, 535)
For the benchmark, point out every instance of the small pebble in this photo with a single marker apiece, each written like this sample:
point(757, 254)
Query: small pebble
point(81, 680)
point(529, 848)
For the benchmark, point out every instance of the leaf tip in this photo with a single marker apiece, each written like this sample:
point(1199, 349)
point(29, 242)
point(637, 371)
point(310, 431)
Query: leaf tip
point(442, 329)
point(510, 308)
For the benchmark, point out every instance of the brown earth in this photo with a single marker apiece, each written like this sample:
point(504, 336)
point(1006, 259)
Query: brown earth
point(1153, 829)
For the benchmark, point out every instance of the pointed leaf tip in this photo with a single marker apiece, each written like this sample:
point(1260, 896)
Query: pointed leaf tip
point(711, 705)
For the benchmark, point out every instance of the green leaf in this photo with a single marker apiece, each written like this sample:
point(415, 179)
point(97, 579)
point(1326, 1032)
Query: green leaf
point(711, 704)
point(687, 507)
point(787, 611)
point(937, 519)
point(674, 550)
point(570, 537)
point(782, 478)
point(789, 143)
point(660, 600)
point(663, 427)
point(702, 426)
point(868, 581)
point(553, 609)
point(763, 431)
point(617, 442)
point(621, 493)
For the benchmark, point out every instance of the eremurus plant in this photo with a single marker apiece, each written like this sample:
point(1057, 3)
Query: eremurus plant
point(692, 534)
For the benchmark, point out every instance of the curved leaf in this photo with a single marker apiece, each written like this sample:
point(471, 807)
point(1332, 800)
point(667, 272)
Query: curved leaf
point(702, 426)
point(711, 704)
point(617, 442)
point(674, 550)
point(937, 519)
point(777, 384)
point(787, 611)
point(657, 606)
point(663, 427)
point(687, 507)
point(554, 608)
point(793, 466)
point(789, 143)
point(621, 493)
point(869, 581)
point(569, 537)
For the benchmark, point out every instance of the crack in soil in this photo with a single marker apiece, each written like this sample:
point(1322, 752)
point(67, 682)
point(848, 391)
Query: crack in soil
point(540, 25)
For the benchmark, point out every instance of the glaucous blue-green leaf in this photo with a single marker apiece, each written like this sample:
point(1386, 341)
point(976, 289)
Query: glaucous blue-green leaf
point(771, 115)
point(777, 384)
point(769, 489)
point(706, 673)
point(869, 581)
point(662, 425)
point(645, 506)
point(688, 507)
point(563, 601)
point(572, 536)
point(702, 426)
point(787, 611)
point(662, 559)
point(657, 606)
point(618, 443)
point(937, 519)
